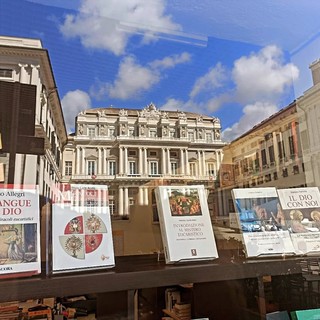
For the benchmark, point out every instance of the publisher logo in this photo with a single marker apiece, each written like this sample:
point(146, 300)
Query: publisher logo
point(193, 252)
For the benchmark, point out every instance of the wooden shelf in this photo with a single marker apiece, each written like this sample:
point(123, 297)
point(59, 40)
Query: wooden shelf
point(138, 272)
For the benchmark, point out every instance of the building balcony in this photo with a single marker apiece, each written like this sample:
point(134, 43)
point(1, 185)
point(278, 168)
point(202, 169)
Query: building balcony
point(133, 177)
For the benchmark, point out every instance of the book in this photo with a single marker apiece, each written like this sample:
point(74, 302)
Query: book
point(185, 223)
point(278, 315)
point(172, 296)
point(263, 229)
point(19, 231)
point(309, 314)
point(301, 212)
point(81, 231)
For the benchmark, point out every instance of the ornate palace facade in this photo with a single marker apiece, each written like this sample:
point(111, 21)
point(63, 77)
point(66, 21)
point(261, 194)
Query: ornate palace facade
point(132, 151)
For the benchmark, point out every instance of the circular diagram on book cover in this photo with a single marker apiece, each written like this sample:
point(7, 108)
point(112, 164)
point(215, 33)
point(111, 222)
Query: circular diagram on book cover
point(83, 234)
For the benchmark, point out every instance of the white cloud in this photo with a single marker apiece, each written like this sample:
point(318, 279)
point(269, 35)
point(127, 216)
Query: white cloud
point(172, 105)
point(109, 24)
point(252, 115)
point(133, 78)
point(171, 61)
point(72, 103)
point(263, 76)
point(213, 79)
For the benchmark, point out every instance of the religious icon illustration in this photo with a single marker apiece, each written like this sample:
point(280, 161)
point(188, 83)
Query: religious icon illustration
point(83, 234)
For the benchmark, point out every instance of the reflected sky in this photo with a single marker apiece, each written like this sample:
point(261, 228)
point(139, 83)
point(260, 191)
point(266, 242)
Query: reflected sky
point(240, 61)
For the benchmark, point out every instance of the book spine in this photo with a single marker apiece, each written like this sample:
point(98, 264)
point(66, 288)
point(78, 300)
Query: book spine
point(159, 200)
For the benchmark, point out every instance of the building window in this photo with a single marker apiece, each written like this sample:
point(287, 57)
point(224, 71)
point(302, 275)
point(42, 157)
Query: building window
point(174, 168)
point(173, 154)
point(284, 172)
point(281, 149)
point(112, 207)
point(291, 147)
point(91, 132)
point(192, 167)
point(68, 168)
point(271, 155)
point(6, 73)
point(153, 133)
point(264, 157)
point(112, 168)
point(210, 169)
point(132, 167)
point(153, 168)
point(132, 153)
point(91, 167)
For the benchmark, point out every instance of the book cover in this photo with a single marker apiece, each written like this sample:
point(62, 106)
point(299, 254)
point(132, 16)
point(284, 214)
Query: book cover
point(309, 314)
point(263, 228)
point(81, 230)
point(19, 231)
point(185, 223)
point(301, 211)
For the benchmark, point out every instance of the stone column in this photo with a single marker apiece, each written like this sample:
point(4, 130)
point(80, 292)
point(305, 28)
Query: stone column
point(199, 163)
point(204, 172)
point(77, 160)
point(35, 81)
point(141, 202)
point(163, 162)
point(83, 162)
point(120, 161)
point(120, 210)
point(126, 161)
point(126, 201)
point(99, 161)
point(104, 161)
point(168, 162)
point(145, 161)
point(140, 161)
point(146, 200)
point(187, 163)
point(181, 162)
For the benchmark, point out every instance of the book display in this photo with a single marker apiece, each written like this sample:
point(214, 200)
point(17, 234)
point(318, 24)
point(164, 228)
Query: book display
point(19, 231)
point(262, 226)
point(185, 223)
point(301, 212)
point(81, 230)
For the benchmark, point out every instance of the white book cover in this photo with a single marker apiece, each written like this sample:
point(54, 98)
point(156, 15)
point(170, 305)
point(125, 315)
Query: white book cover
point(81, 231)
point(301, 209)
point(185, 223)
point(19, 231)
point(263, 228)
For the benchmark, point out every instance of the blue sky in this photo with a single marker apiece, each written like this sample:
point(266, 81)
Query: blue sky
point(240, 61)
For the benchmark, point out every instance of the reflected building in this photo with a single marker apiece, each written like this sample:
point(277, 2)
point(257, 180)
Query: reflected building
point(24, 63)
point(309, 113)
point(134, 150)
point(268, 155)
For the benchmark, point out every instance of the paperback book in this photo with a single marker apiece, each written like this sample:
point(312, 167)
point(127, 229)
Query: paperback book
point(19, 231)
point(301, 211)
point(81, 230)
point(263, 228)
point(185, 223)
